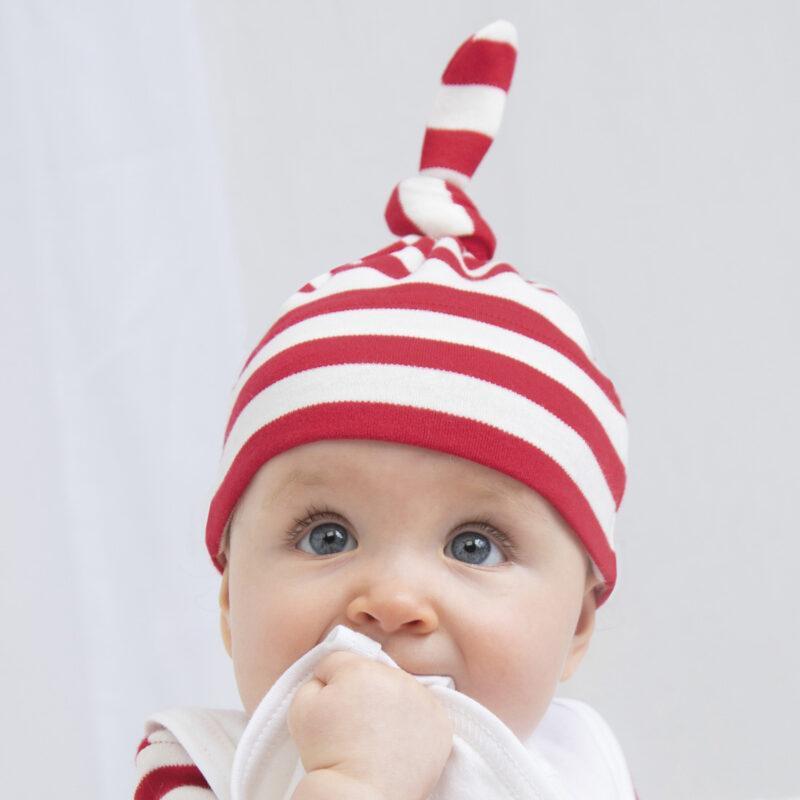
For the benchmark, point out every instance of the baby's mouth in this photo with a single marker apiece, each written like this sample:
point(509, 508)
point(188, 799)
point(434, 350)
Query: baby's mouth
point(426, 678)
point(438, 678)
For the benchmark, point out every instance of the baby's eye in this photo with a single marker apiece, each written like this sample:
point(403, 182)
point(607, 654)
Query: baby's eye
point(474, 546)
point(328, 538)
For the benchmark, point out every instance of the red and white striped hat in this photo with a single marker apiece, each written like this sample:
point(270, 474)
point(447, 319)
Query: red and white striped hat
point(428, 342)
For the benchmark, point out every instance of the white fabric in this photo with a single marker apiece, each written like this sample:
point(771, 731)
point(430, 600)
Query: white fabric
point(572, 754)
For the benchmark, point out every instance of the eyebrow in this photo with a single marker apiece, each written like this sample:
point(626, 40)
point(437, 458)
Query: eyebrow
point(299, 476)
point(492, 493)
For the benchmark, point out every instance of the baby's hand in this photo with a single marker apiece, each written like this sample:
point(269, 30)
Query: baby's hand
point(372, 723)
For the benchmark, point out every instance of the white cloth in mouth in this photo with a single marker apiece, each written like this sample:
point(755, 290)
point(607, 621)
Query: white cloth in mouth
point(571, 755)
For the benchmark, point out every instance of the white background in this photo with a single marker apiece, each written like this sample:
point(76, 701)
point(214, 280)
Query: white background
point(157, 157)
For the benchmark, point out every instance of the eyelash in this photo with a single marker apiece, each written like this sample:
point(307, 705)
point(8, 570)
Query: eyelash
point(505, 542)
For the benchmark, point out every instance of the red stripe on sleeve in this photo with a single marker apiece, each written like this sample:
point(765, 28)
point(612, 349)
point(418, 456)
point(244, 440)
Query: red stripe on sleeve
point(158, 782)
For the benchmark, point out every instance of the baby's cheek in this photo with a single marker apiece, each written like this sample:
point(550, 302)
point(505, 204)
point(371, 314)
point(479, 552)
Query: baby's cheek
point(273, 634)
point(515, 678)
point(253, 675)
point(256, 660)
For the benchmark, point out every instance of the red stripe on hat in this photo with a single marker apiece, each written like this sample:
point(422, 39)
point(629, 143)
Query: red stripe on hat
point(394, 267)
point(446, 433)
point(398, 245)
point(482, 242)
point(425, 245)
point(458, 263)
point(486, 365)
point(460, 150)
point(384, 251)
point(162, 780)
point(482, 61)
point(344, 267)
point(463, 264)
point(390, 265)
point(493, 310)
point(497, 269)
point(396, 218)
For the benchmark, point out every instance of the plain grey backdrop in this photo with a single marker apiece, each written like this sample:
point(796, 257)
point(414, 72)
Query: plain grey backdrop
point(647, 167)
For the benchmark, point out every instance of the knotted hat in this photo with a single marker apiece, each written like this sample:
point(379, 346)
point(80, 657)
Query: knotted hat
point(429, 342)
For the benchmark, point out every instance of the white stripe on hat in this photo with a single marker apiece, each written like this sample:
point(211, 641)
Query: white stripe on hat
point(441, 327)
point(427, 201)
point(501, 30)
point(435, 390)
point(508, 285)
point(468, 108)
point(411, 257)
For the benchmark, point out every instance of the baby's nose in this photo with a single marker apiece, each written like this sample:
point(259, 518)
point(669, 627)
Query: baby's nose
point(392, 606)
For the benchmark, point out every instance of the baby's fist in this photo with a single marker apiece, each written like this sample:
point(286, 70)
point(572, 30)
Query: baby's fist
point(372, 723)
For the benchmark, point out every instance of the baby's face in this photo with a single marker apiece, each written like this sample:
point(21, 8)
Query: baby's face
point(403, 554)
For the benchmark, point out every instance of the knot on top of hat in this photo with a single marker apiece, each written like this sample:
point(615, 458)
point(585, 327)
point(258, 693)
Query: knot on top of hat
point(435, 207)
point(466, 117)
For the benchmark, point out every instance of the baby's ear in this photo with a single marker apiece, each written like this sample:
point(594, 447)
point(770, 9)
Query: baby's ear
point(224, 610)
point(583, 630)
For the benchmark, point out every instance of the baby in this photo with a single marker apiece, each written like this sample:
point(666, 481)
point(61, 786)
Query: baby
point(453, 567)
point(422, 450)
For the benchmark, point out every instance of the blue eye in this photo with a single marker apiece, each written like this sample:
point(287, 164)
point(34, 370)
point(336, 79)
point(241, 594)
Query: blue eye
point(331, 538)
point(328, 538)
point(475, 546)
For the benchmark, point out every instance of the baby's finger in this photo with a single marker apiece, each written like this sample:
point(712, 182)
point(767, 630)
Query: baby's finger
point(328, 666)
point(303, 700)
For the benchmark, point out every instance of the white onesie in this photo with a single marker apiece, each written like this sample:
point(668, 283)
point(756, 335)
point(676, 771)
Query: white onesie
point(572, 754)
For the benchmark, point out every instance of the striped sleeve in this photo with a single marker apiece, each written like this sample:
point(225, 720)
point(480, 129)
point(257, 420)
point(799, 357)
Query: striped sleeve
point(164, 767)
